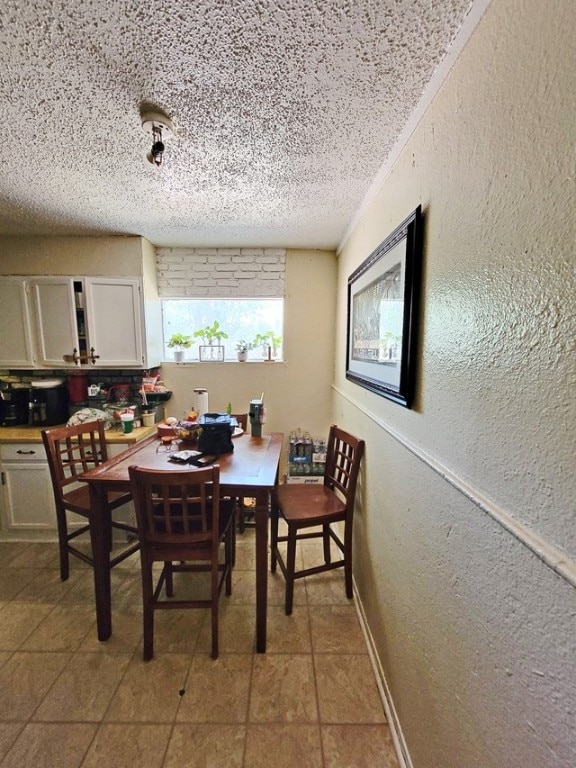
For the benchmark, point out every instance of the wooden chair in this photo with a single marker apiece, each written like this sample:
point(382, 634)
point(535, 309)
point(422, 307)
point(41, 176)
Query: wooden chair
point(243, 505)
point(71, 451)
point(309, 506)
point(183, 523)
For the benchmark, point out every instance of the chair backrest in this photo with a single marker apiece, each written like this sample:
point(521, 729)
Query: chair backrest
point(343, 456)
point(71, 451)
point(177, 507)
point(242, 419)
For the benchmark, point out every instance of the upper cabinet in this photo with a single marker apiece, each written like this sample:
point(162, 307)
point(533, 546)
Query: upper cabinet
point(16, 348)
point(91, 321)
point(57, 331)
point(89, 301)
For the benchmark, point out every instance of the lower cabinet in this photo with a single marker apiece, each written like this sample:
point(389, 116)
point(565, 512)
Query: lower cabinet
point(27, 510)
point(26, 500)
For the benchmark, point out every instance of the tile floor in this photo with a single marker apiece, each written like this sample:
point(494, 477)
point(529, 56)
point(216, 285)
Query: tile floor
point(68, 701)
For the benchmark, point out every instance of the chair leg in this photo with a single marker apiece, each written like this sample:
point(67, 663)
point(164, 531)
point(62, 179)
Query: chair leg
point(169, 574)
point(348, 565)
point(63, 544)
point(148, 611)
point(326, 541)
point(214, 613)
point(273, 536)
point(230, 555)
point(290, 568)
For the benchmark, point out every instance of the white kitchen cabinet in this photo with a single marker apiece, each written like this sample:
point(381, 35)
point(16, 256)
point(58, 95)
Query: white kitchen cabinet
point(27, 501)
point(16, 347)
point(99, 321)
point(27, 508)
point(56, 321)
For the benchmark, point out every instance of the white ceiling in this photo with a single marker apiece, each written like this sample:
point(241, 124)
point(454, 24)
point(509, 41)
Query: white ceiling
point(284, 112)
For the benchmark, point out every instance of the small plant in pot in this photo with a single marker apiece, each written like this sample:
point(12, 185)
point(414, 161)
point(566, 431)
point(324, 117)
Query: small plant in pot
point(179, 342)
point(270, 342)
point(209, 335)
point(242, 349)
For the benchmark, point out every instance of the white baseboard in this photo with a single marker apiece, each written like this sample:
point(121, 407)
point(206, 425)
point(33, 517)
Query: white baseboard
point(391, 716)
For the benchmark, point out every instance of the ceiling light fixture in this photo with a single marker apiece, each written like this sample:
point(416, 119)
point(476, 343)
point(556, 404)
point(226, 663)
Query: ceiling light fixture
point(156, 122)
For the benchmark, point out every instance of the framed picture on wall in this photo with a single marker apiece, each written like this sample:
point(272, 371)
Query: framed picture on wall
point(383, 295)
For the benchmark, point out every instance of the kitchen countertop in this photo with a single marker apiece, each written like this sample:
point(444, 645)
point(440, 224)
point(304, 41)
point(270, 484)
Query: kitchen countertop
point(26, 434)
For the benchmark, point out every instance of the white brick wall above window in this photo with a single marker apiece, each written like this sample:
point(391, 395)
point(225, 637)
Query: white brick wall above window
point(221, 272)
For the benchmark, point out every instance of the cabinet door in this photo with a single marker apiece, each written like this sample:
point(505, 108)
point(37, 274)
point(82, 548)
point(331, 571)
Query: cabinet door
point(16, 350)
point(29, 501)
point(55, 319)
point(114, 320)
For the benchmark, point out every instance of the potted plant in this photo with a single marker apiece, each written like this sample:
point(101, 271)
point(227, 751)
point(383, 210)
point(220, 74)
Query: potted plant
point(179, 342)
point(270, 343)
point(242, 349)
point(210, 334)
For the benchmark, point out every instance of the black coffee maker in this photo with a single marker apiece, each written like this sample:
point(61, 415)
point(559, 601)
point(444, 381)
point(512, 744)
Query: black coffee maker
point(14, 408)
point(47, 406)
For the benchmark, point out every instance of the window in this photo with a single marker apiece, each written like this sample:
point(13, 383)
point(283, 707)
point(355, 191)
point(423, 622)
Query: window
point(242, 319)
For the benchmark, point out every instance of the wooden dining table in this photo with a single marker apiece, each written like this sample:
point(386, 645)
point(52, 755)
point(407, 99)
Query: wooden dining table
point(251, 470)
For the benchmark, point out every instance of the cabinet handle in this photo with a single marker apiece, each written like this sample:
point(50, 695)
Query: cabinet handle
point(26, 453)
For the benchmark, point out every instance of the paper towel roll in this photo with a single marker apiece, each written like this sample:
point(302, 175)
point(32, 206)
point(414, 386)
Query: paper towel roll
point(201, 401)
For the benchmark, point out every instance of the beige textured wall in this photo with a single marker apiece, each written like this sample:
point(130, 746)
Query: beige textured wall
point(475, 633)
point(297, 390)
point(96, 256)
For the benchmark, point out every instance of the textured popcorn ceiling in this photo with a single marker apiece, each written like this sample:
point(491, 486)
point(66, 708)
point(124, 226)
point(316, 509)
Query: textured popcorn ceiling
point(284, 112)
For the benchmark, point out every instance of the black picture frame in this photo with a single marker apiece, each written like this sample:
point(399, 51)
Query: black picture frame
point(383, 304)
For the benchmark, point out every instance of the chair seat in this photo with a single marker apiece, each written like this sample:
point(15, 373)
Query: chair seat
point(78, 500)
point(296, 503)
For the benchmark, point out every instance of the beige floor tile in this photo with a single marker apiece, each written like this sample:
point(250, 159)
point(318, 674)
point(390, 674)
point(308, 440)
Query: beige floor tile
point(18, 621)
point(277, 590)
point(120, 745)
point(217, 690)
point(43, 745)
point(336, 629)
point(150, 691)
point(13, 580)
point(243, 588)
point(126, 632)
point(313, 553)
point(283, 689)
point(128, 588)
point(83, 589)
point(37, 555)
point(85, 688)
point(178, 630)
point(8, 735)
point(62, 630)
point(327, 589)
point(245, 555)
point(47, 587)
point(237, 629)
point(283, 746)
point(206, 746)
point(288, 634)
point(24, 681)
point(10, 550)
point(347, 691)
point(358, 746)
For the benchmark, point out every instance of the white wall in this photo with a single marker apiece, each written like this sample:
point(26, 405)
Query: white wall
point(466, 539)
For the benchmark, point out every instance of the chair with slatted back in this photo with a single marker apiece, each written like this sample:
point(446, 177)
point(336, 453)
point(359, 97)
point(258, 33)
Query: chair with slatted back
point(184, 524)
point(304, 507)
point(71, 451)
